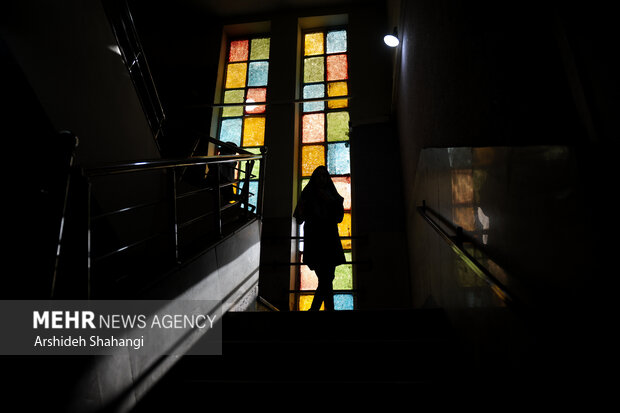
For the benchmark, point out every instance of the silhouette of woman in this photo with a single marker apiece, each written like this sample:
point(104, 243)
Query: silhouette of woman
point(320, 209)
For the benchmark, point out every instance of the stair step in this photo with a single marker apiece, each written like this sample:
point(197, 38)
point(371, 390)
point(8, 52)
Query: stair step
point(357, 350)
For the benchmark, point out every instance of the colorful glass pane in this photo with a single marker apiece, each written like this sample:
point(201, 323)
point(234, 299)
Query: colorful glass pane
point(313, 44)
point(256, 95)
point(305, 302)
point(343, 302)
point(238, 51)
point(337, 126)
point(308, 279)
point(311, 157)
point(337, 89)
point(253, 192)
point(337, 67)
point(260, 49)
point(343, 186)
point(304, 182)
point(313, 128)
point(254, 131)
point(230, 131)
point(337, 41)
point(256, 168)
point(258, 74)
point(314, 70)
point(233, 96)
point(235, 75)
point(343, 279)
point(344, 227)
point(338, 160)
point(312, 92)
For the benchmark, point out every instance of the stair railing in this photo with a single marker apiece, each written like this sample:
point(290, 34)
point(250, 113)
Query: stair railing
point(96, 243)
point(456, 243)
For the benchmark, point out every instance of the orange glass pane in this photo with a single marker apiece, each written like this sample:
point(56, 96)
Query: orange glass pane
point(313, 128)
point(313, 44)
point(238, 51)
point(311, 157)
point(235, 75)
point(256, 95)
point(305, 302)
point(254, 131)
point(343, 186)
point(337, 67)
point(344, 228)
point(337, 89)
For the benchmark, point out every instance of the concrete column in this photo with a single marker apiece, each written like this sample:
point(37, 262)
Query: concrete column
point(281, 167)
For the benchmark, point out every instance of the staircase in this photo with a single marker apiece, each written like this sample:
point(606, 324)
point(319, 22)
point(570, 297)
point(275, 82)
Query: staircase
point(289, 353)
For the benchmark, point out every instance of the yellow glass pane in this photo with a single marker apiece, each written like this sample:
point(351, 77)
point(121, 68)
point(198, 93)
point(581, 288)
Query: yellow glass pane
point(337, 89)
point(346, 244)
point(254, 131)
point(311, 157)
point(235, 75)
point(313, 44)
point(305, 302)
point(344, 228)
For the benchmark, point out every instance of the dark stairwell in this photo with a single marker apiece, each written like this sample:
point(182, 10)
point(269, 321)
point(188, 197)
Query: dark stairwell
point(504, 136)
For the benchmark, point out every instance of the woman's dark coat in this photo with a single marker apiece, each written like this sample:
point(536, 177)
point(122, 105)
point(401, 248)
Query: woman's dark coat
point(321, 209)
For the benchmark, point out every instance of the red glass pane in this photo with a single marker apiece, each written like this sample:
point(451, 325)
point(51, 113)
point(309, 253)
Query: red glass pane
point(257, 94)
point(337, 67)
point(313, 128)
point(238, 51)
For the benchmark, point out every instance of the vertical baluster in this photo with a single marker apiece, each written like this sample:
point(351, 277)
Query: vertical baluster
point(173, 214)
point(218, 200)
point(88, 239)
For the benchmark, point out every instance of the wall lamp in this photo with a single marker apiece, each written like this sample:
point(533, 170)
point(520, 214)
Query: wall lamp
point(391, 39)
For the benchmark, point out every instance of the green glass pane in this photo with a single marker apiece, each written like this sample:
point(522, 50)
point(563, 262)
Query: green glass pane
point(233, 96)
point(314, 70)
point(337, 126)
point(260, 49)
point(344, 275)
point(256, 168)
point(304, 182)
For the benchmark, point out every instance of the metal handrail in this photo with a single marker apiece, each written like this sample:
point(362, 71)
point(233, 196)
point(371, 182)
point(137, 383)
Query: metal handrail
point(170, 197)
point(456, 244)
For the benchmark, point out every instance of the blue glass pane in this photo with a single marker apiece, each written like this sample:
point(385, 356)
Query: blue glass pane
point(258, 74)
point(230, 131)
point(343, 301)
point(314, 91)
point(253, 200)
point(338, 160)
point(337, 41)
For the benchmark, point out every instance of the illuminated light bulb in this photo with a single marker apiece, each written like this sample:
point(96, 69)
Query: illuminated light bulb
point(392, 39)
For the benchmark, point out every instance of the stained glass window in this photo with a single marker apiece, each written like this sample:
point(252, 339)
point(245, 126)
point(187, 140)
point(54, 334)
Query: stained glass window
point(324, 135)
point(245, 83)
